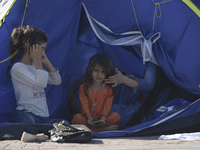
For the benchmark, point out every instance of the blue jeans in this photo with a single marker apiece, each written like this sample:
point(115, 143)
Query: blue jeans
point(23, 116)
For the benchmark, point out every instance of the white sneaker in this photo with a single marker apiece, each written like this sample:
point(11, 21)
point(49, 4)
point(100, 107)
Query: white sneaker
point(27, 137)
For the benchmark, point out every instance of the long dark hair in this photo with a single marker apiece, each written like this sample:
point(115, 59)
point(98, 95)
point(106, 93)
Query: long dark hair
point(23, 37)
point(103, 61)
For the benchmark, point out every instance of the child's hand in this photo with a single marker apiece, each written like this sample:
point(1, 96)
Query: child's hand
point(90, 122)
point(45, 61)
point(100, 124)
point(35, 52)
point(44, 58)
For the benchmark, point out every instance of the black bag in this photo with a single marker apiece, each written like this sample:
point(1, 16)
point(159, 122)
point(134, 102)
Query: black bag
point(70, 133)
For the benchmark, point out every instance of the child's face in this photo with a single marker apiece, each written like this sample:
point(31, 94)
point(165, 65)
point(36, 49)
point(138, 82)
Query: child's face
point(98, 74)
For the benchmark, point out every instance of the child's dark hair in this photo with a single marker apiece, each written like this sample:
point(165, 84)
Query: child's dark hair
point(21, 39)
point(103, 61)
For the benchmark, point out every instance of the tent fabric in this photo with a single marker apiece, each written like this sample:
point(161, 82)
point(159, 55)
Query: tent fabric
point(192, 6)
point(5, 5)
point(126, 39)
point(186, 112)
point(177, 41)
point(72, 41)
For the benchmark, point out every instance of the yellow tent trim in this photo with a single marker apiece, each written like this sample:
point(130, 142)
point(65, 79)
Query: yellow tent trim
point(26, 6)
point(3, 19)
point(192, 6)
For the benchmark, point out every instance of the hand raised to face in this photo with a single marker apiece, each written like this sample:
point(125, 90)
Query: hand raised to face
point(35, 52)
point(115, 79)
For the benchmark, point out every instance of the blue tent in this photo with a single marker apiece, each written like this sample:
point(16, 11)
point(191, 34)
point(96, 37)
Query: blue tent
point(78, 29)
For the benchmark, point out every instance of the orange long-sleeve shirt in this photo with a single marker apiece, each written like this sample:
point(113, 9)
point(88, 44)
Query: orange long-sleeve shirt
point(102, 101)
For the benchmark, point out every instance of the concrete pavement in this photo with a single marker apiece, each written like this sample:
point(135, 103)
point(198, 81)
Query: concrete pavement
point(122, 143)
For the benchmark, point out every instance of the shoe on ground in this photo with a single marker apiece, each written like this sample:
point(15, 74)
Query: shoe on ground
point(27, 137)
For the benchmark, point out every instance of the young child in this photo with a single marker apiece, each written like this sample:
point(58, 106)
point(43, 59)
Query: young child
point(96, 97)
point(29, 77)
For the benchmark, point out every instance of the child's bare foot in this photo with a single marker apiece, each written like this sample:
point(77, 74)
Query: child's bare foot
point(113, 127)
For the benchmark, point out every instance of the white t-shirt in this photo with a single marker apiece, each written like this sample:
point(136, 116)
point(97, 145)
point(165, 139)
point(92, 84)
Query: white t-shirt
point(29, 84)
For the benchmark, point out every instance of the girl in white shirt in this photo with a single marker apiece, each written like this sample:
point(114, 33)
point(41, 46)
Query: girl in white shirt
point(29, 77)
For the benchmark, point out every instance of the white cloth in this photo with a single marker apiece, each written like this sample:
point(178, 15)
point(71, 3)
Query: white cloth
point(29, 84)
point(181, 136)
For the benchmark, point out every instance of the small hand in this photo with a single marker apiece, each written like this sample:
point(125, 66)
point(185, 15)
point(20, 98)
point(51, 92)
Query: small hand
point(101, 124)
point(35, 52)
point(44, 58)
point(90, 122)
point(116, 79)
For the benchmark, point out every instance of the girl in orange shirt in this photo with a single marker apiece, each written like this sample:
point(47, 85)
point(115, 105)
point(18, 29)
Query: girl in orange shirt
point(96, 97)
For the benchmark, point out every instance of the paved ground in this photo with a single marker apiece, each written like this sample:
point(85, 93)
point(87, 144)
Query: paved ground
point(124, 143)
